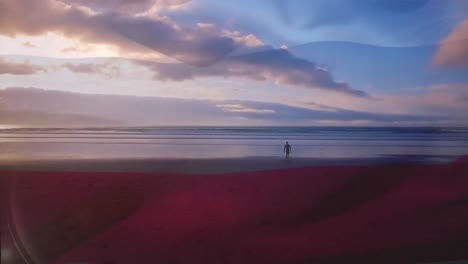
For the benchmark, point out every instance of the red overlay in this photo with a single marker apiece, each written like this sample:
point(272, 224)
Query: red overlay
point(341, 214)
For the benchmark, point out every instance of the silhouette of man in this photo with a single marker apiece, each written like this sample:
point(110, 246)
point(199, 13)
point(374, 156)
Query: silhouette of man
point(287, 149)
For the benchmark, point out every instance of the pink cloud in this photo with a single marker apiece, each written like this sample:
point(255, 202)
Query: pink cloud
point(7, 67)
point(200, 45)
point(197, 45)
point(453, 50)
point(28, 44)
point(108, 70)
point(125, 6)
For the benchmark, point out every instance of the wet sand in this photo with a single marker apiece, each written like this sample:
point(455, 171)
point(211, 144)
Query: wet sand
point(208, 166)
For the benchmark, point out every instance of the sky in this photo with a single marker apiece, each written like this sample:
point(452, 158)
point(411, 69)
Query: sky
point(234, 62)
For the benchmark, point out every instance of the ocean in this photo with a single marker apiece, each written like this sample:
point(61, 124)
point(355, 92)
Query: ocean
point(231, 142)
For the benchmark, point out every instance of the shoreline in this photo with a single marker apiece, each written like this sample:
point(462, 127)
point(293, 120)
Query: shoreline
point(209, 165)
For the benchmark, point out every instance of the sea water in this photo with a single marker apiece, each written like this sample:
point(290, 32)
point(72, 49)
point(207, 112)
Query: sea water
point(231, 142)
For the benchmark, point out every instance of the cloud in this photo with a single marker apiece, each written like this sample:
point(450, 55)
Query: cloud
point(202, 45)
point(28, 44)
point(453, 50)
point(80, 49)
point(444, 100)
point(277, 65)
point(197, 45)
point(455, 95)
point(287, 113)
point(108, 70)
point(239, 108)
point(172, 111)
point(43, 119)
point(15, 68)
point(125, 6)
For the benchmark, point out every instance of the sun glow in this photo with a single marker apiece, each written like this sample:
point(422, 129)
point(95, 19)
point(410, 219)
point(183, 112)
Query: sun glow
point(53, 45)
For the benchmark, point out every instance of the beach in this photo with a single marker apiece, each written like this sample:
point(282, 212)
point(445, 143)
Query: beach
point(207, 165)
point(229, 195)
point(236, 211)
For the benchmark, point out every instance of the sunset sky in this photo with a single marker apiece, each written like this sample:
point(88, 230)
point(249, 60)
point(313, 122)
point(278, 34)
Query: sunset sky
point(234, 62)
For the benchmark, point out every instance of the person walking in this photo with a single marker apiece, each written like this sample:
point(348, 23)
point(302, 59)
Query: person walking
point(287, 149)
